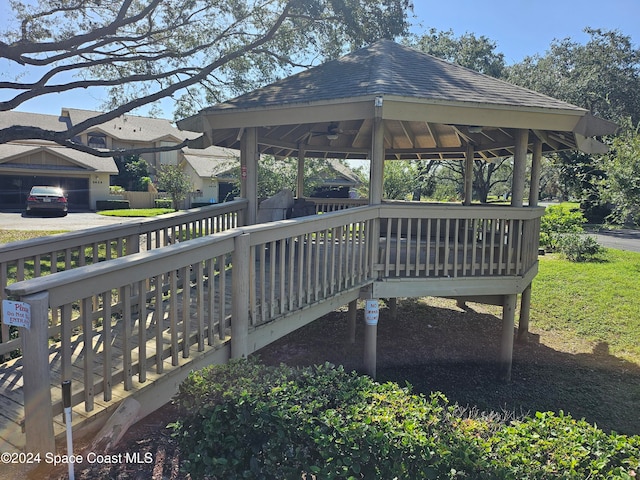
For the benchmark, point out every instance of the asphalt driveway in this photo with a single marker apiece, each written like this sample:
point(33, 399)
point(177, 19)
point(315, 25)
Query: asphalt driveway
point(625, 239)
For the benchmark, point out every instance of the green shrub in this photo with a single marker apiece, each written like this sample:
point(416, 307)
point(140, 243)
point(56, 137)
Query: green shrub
point(163, 203)
point(250, 421)
point(556, 446)
point(112, 204)
point(558, 219)
point(577, 247)
point(246, 420)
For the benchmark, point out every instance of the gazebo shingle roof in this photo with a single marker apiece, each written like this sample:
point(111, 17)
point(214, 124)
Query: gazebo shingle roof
point(388, 68)
point(431, 109)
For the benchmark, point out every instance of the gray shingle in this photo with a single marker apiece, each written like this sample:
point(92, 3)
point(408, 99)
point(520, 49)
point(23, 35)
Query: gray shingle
point(387, 68)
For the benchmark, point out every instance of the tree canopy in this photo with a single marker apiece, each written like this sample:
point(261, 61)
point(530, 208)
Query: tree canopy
point(602, 75)
point(476, 53)
point(195, 51)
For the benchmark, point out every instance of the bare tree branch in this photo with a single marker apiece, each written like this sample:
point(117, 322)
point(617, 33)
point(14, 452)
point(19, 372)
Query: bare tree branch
point(147, 50)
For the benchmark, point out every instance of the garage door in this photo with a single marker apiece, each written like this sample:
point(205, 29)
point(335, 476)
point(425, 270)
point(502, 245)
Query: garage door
point(15, 188)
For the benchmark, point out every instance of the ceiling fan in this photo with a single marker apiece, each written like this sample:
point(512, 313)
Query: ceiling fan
point(332, 132)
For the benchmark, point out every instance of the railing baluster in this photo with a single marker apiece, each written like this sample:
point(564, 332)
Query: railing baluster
point(418, 262)
point(106, 342)
point(89, 355)
point(319, 243)
point(465, 247)
point(252, 287)
point(263, 282)
point(456, 240)
point(222, 294)
point(273, 256)
point(173, 315)
point(200, 304)
point(427, 263)
point(437, 248)
point(211, 303)
point(186, 309)
point(301, 248)
point(291, 273)
point(447, 247)
point(398, 244)
point(340, 259)
point(158, 316)
point(309, 248)
point(125, 327)
point(142, 331)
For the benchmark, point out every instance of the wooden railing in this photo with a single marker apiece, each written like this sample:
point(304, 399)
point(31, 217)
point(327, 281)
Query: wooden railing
point(43, 256)
point(326, 205)
point(126, 316)
point(458, 241)
point(296, 263)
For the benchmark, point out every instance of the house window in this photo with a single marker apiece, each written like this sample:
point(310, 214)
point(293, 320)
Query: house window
point(96, 140)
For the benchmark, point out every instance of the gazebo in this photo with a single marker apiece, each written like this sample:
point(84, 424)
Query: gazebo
point(238, 285)
point(387, 102)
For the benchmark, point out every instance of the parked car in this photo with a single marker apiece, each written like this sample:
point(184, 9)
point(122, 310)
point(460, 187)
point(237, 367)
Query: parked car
point(47, 199)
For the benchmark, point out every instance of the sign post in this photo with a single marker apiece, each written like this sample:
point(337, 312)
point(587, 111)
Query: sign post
point(371, 315)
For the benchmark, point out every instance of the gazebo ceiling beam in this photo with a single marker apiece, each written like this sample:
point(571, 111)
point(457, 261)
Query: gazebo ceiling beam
point(408, 133)
point(434, 136)
point(464, 138)
point(279, 144)
point(363, 131)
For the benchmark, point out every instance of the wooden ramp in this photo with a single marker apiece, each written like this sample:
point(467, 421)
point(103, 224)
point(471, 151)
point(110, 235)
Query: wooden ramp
point(147, 385)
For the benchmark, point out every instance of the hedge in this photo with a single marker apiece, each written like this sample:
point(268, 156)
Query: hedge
point(163, 203)
point(246, 420)
point(112, 204)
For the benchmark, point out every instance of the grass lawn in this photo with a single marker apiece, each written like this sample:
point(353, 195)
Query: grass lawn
point(594, 301)
point(136, 212)
point(7, 236)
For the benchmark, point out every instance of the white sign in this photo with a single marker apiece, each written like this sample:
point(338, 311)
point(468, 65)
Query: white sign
point(371, 312)
point(16, 313)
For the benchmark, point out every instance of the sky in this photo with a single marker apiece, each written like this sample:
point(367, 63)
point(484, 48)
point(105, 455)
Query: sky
point(519, 28)
point(523, 28)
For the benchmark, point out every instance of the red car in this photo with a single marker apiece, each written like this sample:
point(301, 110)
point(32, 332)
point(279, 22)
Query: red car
point(47, 199)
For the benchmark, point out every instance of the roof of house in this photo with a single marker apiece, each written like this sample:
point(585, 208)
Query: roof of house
point(131, 128)
point(46, 122)
point(212, 161)
point(77, 160)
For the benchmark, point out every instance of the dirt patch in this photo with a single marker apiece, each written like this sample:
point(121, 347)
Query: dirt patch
point(435, 346)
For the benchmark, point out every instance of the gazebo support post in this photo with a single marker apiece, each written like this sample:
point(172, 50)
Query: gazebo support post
point(375, 198)
point(371, 315)
point(506, 345)
point(249, 172)
point(519, 167)
point(351, 320)
point(468, 194)
point(393, 308)
point(300, 177)
point(468, 175)
point(509, 304)
point(534, 193)
point(377, 156)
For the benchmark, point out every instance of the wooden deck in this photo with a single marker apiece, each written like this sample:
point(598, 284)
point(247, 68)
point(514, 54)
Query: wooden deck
point(183, 306)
